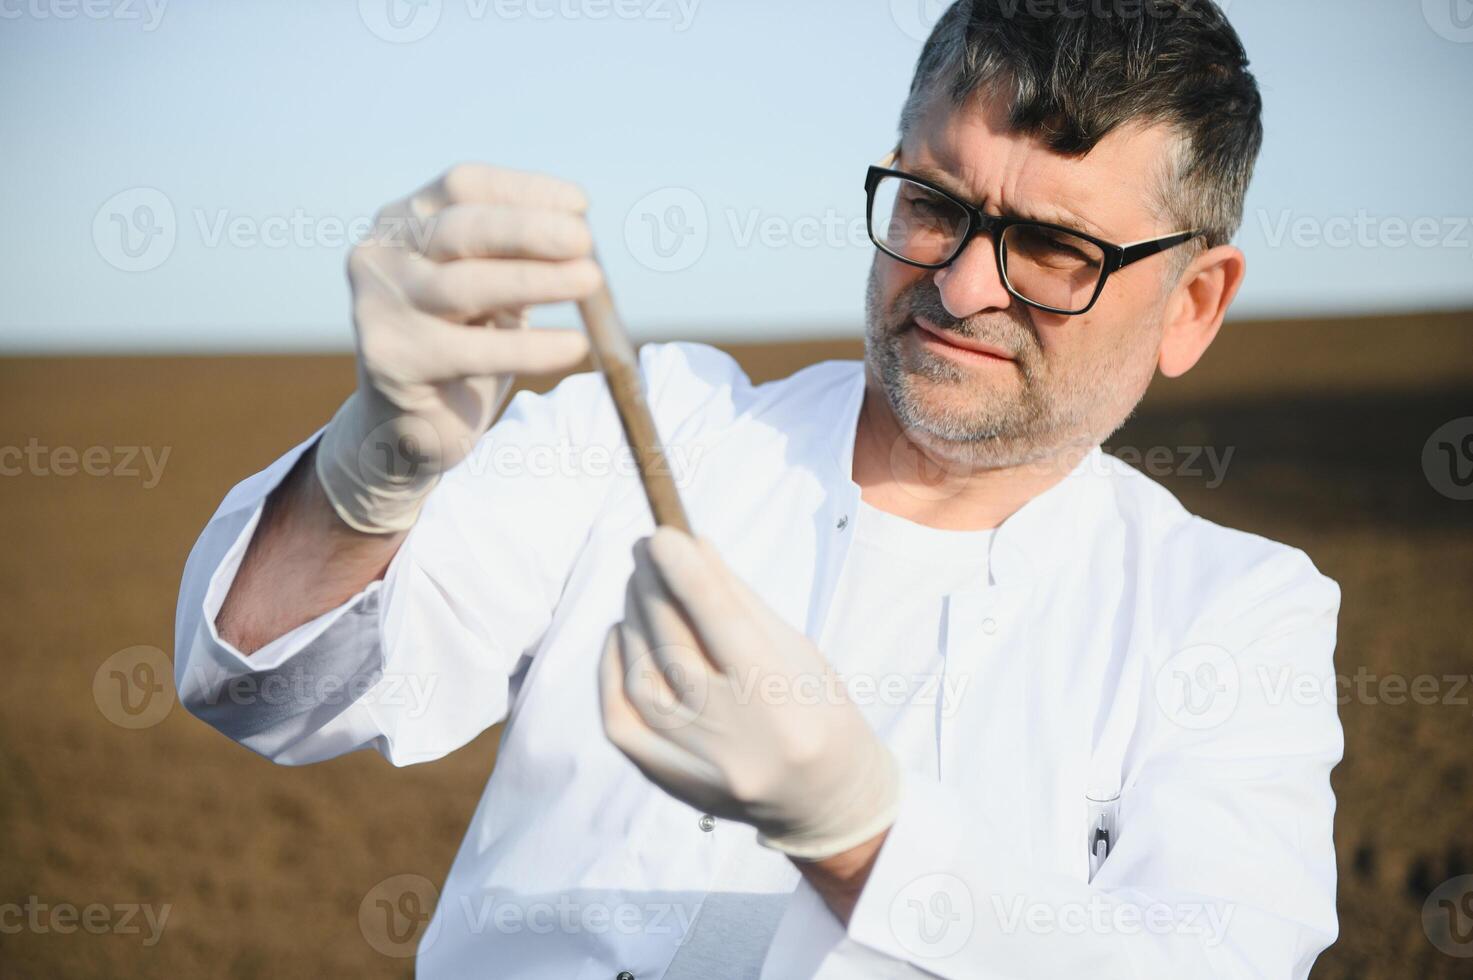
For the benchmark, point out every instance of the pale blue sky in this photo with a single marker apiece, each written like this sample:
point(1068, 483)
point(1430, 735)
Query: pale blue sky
point(251, 137)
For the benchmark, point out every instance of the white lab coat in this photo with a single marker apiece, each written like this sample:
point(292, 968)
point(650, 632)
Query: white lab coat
point(1124, 652)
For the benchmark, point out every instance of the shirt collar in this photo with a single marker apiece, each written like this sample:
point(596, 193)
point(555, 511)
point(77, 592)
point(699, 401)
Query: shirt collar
point(1038, 537)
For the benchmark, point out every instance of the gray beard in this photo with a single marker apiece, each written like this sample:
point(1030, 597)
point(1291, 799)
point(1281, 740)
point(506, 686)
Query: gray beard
point(991, 428)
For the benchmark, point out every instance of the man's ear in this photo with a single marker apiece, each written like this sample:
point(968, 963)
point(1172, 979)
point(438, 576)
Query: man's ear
point(1197, 305)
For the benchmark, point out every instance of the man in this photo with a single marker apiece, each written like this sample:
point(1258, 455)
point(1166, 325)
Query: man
point(939, 688)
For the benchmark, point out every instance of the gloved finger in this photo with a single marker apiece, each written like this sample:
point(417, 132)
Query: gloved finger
point(676, 704)
point(671, 669)
point(621, 721)
point(663, 762)
point(464, 231)
point(625, 676)
point(667, 701)
point(508, 319)
point(480, 183)
point(648, 602)
point(451, 350)
point(703, 586)
point(466, 289)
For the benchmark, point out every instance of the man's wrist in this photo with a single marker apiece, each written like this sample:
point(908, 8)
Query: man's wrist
point(302, 560)
point(375, 469)
point(840, 879)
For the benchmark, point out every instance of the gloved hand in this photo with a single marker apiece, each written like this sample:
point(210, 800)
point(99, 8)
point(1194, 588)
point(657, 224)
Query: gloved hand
point(726, 707)
point(440, 296)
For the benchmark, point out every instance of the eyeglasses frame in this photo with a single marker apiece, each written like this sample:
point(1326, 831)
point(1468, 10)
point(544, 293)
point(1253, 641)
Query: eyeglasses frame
point(1116, 257)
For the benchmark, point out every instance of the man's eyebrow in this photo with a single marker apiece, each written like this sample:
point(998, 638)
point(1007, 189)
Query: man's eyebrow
point(1047, 215)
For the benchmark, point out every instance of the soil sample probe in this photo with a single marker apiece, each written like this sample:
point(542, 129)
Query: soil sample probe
point(615, 357)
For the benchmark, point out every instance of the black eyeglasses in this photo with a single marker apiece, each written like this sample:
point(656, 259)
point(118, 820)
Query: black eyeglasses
point(1051, 267)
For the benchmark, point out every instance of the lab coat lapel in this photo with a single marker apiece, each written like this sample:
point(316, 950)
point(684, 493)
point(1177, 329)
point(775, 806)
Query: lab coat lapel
point(1022, 685)
point(787, 536)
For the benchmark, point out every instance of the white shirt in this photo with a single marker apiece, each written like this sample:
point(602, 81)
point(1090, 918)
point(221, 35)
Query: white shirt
point(1119, 650)
point(888, 642)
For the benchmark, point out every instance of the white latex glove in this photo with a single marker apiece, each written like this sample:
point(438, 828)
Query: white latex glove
point(440, 295)
point(726, 707)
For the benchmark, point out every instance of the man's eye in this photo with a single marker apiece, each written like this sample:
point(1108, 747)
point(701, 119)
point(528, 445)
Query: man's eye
point(1045, 244)
point(923, 204)
point(1066, 249)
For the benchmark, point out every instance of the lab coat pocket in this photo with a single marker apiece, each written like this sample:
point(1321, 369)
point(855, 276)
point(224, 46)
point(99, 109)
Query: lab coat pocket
point(1103, 828)
point(1108, 777)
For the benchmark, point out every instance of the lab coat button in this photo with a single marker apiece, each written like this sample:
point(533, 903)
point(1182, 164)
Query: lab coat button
point(624, 975)
point(843, 522)
point(708, 822)
point(989, 626)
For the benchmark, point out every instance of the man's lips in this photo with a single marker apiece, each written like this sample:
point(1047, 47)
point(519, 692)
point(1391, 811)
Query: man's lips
point(974, 348)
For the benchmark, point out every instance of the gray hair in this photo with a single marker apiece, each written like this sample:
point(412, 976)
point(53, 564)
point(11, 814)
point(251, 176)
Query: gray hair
point(1076, 70)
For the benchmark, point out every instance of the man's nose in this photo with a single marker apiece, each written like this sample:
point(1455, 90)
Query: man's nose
point(972, 284)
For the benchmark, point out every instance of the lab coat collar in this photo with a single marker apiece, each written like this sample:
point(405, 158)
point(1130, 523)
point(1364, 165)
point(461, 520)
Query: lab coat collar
point(1042, 534)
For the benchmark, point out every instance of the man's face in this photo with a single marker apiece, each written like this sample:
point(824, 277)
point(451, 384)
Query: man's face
point(1063, 381)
